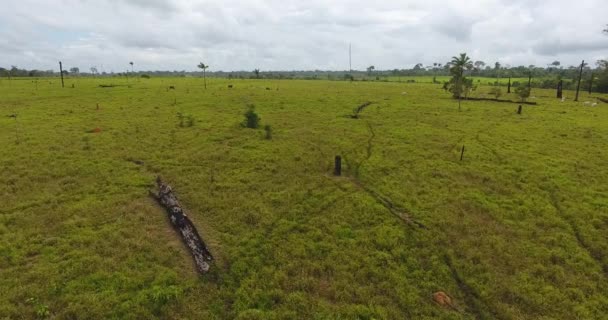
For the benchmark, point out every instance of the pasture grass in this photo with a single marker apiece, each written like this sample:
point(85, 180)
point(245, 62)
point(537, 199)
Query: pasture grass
point(517, 230)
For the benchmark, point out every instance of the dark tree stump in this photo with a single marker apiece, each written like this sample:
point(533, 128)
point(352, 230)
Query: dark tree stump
point(338, 166)
point(560, 85)
point(519, 109)
point(181, 222)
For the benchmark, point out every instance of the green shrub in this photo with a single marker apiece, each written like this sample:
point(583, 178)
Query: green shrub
point(145, 76)
point(268, 130)
point(252, 120)
point(186, 120)
point(523, 93)
point(496, 92)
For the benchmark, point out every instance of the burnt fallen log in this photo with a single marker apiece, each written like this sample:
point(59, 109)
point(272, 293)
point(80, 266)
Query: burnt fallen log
point(359, 109)
point(501, 100)
point(181, 222)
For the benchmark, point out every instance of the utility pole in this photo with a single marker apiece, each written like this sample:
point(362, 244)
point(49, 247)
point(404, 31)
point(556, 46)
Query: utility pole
point(580, 76)
point(350, 59)
point(61, 72)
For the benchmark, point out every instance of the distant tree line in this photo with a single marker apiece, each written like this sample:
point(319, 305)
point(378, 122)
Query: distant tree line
point(542, 77)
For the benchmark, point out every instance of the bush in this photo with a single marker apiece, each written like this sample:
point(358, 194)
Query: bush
point(145, 76)
point(523, 92)
point(185, 120)
point(252, 120)
point(496, 92)
point(268, 130)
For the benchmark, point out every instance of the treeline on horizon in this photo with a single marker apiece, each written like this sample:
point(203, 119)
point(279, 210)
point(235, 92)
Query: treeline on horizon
point(542, 77)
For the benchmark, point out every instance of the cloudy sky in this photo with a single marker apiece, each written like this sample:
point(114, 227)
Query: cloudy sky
point(296, 35)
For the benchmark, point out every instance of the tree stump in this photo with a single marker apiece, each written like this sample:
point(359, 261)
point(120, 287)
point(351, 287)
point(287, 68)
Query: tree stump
point(338, 166)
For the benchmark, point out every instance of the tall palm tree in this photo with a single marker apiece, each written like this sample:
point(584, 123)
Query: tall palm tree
point(204, 67)
point(459, 64)
point(131, 63)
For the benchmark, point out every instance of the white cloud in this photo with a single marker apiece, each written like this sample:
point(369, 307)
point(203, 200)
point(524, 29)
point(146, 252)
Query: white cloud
point(288, 34)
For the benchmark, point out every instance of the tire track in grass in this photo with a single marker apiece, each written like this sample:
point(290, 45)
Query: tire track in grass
point(474, 304)
point(385, 201)
point(487, 147)
point(577, 234)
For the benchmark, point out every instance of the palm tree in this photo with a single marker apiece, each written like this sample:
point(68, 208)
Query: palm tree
point(370, 69)
point(131, 63)
point(459, 64)
point(204, 67)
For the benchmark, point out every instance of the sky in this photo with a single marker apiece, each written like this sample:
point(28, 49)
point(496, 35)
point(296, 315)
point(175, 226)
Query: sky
point(232, 35)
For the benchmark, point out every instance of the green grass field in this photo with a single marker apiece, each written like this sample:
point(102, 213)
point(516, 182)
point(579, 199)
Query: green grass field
point(516, 230)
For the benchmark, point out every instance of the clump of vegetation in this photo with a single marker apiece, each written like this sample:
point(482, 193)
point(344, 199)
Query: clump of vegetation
point(523, 92)
point(496, 92)
point(87, 145)
point(252, 120)
point(41, 310)
point(186, 120)
point(268, 132)
point(145, 76)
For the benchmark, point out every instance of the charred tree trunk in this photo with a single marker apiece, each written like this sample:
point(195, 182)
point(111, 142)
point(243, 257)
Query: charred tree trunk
point(61, 73)
point(181, 222)
point(560, 85)
point(338, 166)
point(580, 76)
point(509, 86)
